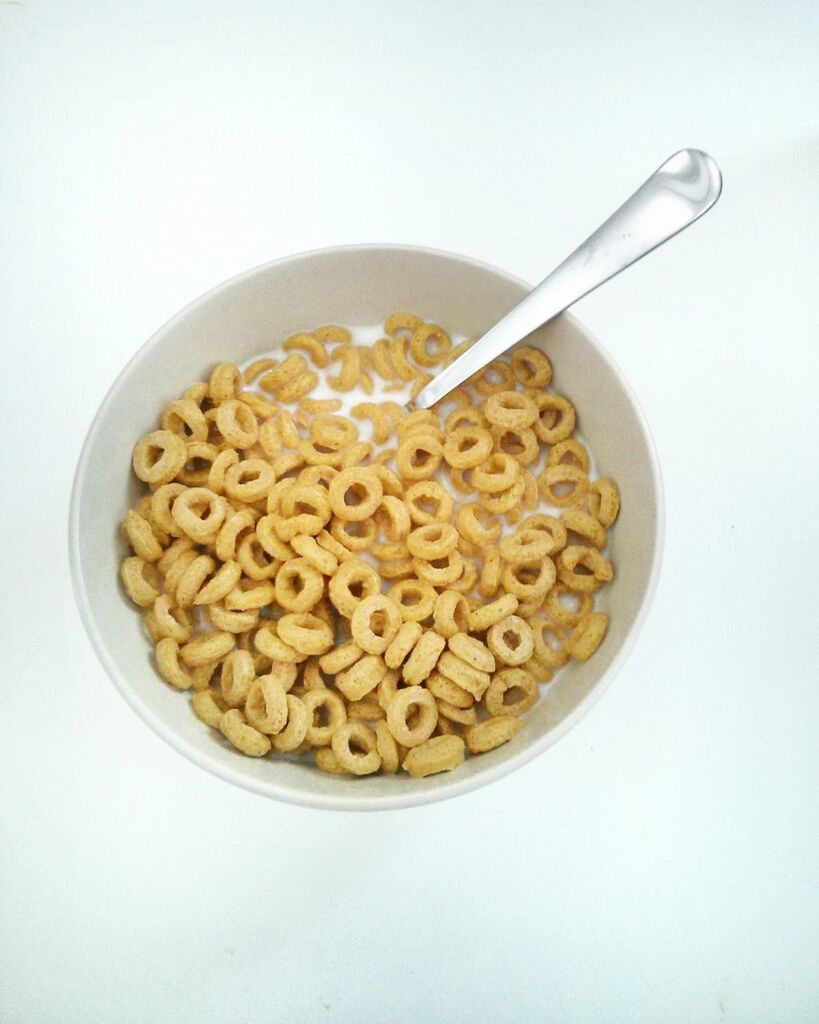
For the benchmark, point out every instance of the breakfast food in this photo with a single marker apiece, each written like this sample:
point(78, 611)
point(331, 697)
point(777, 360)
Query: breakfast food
point(341, 579)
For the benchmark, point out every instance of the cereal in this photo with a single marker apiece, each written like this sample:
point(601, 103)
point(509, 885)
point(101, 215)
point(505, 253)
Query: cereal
point(359, 581)
point(439, 754)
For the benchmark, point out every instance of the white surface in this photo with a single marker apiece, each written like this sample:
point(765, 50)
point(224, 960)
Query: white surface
point(660, 863)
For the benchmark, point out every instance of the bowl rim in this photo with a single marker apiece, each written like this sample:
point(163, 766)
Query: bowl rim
point(272, 788)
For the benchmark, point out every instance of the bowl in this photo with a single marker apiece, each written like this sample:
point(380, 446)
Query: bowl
point(249, 314)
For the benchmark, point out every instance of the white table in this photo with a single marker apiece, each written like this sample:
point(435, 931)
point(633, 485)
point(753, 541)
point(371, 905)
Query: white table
point(660, 863)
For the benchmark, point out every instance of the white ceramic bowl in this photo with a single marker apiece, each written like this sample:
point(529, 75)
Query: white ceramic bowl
point(245, 316)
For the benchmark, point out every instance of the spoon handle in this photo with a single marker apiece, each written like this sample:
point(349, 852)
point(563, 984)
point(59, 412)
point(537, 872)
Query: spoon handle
point(678, 193)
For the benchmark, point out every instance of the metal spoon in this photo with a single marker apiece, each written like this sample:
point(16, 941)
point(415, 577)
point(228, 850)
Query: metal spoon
point(679, 192)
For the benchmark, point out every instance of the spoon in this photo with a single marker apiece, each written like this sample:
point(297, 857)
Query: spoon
point(679, 192)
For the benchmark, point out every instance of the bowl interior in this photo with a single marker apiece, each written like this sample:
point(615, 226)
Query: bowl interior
point(249, 315)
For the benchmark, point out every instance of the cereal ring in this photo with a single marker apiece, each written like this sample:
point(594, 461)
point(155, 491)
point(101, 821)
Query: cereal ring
point(497, 473)
point(414, 598)
point(390, 483)
point(436, 540)
point(355, 494)
point(294, 390)
point(515, 683)
point(231, 622)
point(495, 376)
point(382, 424)
point(262, 409)
point(375, 623)
point(256, 369)
point(309, 344)
point(140, 536)
point(444, 689)
point(550, 643)
point(521, 444)
point(234, 727)
point(492, 733)
point(266, 705)
point(397, 322)
point(224, 383)
point(140, 589)
point(584, 525)
point(292, 367)
point(464, 416)
point(467, 447)
point(256, 563)
point(326, 761)
point(196, 392)
point(420, 349)
point(463, 716)
point(511, 640)
point(401, 570)
point(284, 673)
point(440, 572)
point(472, 651)
point(159, 456)
point(419, 455)
point(421, 420)
point(469, 678)
point(556, 417)
point(572, 482)
point(355, 748)
point(531, 367)
point(587, 636)
point(438, 754)
point(217, 588)
point(269, 540)
point(571, 448)
point(427, 502)
point(604, 501)
point(490, 573)
point(393, 516)
point(270, 644)
point(363, 677)
point(397, 353)
point(582, 605)
point(487, 615)
point(199, 459)
point(412, 715)
point(354, 581)
point(237, 424)
point(387, 748)
point(421, 662)
point(238, 674)
point(207, 647)
point(402, 643)
point(329, 543)
point(332, 334)
point(352, 536)
point(477, 525)
point(510, 409)
point(350, 371)
point(298, 722)
point(161, 501)
point(461, 479)
point(220, 465)
point(249, 595)
point(529, 581)
point(340, 657)
point(357, 455)
point(326, 713)
point(299, 585)
point(312, 552)
point(208, 708)
point(184, 417)
point(249, 480)
point(598, 569)
point(171, 622)
point(199, 513)
point(525, 547)
point(270, 439)
point(552, 527)
point(307, 633)
point(450, 614)
point(167, 660)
